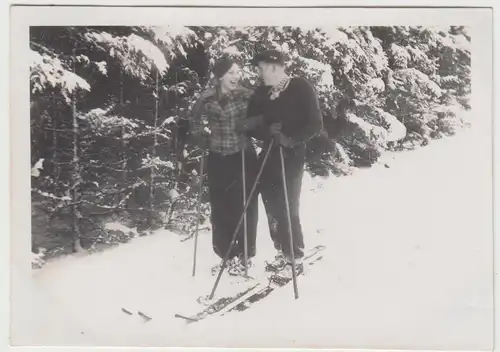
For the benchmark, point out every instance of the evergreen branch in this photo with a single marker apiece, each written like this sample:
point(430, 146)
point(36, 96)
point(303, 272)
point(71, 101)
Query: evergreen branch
point(109, 168)
point(51, 196)
point(118, 209)
point(56, 130)
point(109, 207)
point(120, 191)
point(60, 162)
point(95, 225)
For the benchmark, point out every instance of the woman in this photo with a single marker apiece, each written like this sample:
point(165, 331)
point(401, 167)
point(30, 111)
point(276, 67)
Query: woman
point(216, 118)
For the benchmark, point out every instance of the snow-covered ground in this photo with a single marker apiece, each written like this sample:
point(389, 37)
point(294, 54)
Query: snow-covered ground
point(408, 264)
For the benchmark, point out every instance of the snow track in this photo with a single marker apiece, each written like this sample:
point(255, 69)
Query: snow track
point(408, 260)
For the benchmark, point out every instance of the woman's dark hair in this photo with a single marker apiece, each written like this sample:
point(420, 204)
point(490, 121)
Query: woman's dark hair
point(222, 65)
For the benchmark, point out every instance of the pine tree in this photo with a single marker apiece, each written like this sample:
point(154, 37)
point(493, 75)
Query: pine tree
point(110, 111)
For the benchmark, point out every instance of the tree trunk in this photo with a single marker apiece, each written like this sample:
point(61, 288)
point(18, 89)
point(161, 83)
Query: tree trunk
point(174, 193)
point(76, 177)
point(124, 144)
point(153, 155)
point(55, 153)
point(123, 141)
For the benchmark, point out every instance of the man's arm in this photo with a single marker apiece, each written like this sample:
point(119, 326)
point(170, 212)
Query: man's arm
point(255, 124)
point(311, 111)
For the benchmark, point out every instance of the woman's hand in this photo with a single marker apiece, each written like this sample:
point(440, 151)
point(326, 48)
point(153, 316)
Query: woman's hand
point(202, 140)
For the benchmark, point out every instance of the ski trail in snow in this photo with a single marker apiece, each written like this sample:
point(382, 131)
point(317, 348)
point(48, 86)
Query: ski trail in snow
point(408, 260)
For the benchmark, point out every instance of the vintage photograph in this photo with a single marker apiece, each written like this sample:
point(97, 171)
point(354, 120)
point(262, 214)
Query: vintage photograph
point(295, 186)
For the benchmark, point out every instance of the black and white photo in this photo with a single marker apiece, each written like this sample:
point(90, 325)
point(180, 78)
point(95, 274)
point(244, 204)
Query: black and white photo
point(253, 178)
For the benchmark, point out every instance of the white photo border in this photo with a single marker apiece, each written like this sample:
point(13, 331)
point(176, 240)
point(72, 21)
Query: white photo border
point(18, 91)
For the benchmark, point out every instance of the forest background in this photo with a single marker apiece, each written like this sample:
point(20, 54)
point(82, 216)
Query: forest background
point(110, 115)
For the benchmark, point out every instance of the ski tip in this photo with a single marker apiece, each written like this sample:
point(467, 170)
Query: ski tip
point(126, 311)
point(185, 318)
point(144, 316)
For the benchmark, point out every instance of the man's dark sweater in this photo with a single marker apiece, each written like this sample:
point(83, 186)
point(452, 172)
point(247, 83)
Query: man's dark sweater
point(297, 108)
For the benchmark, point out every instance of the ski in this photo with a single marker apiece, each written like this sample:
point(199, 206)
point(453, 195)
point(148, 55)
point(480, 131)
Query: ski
point(256, 291)
point(275, 281)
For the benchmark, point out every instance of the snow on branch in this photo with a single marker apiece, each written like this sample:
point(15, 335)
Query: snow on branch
point(51, 196)
point(156, 163)
point(352, 47)
point(232, 51)
point(102, 66)
point(395, 129)
point(135, 54)
point(149, 50)
point(173, 38)
point(48, 72)
point(415, 81)
point(321, 73)
point(335, 36)
point(181, 33)
point(400, 55)
point(35, 170)
point(129, 188)
point(439, 36)
point(101, 123)
point(370, 131)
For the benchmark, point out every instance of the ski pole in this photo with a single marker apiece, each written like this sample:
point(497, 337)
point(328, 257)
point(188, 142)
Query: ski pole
point(233, 240)
point(283, 175)
point(202, 176)
point(245, 234)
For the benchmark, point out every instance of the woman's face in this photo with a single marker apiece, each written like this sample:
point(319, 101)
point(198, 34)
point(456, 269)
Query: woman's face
point(231, 79)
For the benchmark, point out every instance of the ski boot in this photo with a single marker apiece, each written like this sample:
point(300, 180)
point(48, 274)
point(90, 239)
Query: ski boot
point(277, 264)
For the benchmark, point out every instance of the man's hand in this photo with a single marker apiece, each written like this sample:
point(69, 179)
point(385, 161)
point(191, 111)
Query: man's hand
point(250, 123)
point(275, 128)
point(281, 139)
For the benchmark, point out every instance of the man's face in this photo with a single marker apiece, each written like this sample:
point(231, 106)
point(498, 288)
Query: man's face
point(266, 72)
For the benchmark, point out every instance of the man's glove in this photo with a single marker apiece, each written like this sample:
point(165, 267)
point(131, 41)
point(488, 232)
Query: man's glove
point(270, 119)
point(275, 128)
point(249, 124)
point(279, 138)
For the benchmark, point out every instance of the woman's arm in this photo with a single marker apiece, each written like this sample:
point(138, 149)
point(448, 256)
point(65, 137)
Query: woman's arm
point(198, 123)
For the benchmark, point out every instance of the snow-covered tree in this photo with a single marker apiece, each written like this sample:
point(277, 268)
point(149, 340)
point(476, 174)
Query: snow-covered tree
point(99, 146)
point(110, 109)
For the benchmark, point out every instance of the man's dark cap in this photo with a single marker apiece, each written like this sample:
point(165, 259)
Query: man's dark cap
point(269, 56)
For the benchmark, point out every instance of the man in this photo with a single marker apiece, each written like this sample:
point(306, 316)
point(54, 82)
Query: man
point(291, 116)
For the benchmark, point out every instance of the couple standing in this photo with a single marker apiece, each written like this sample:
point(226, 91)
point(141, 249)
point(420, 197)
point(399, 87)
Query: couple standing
point(284, 110)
